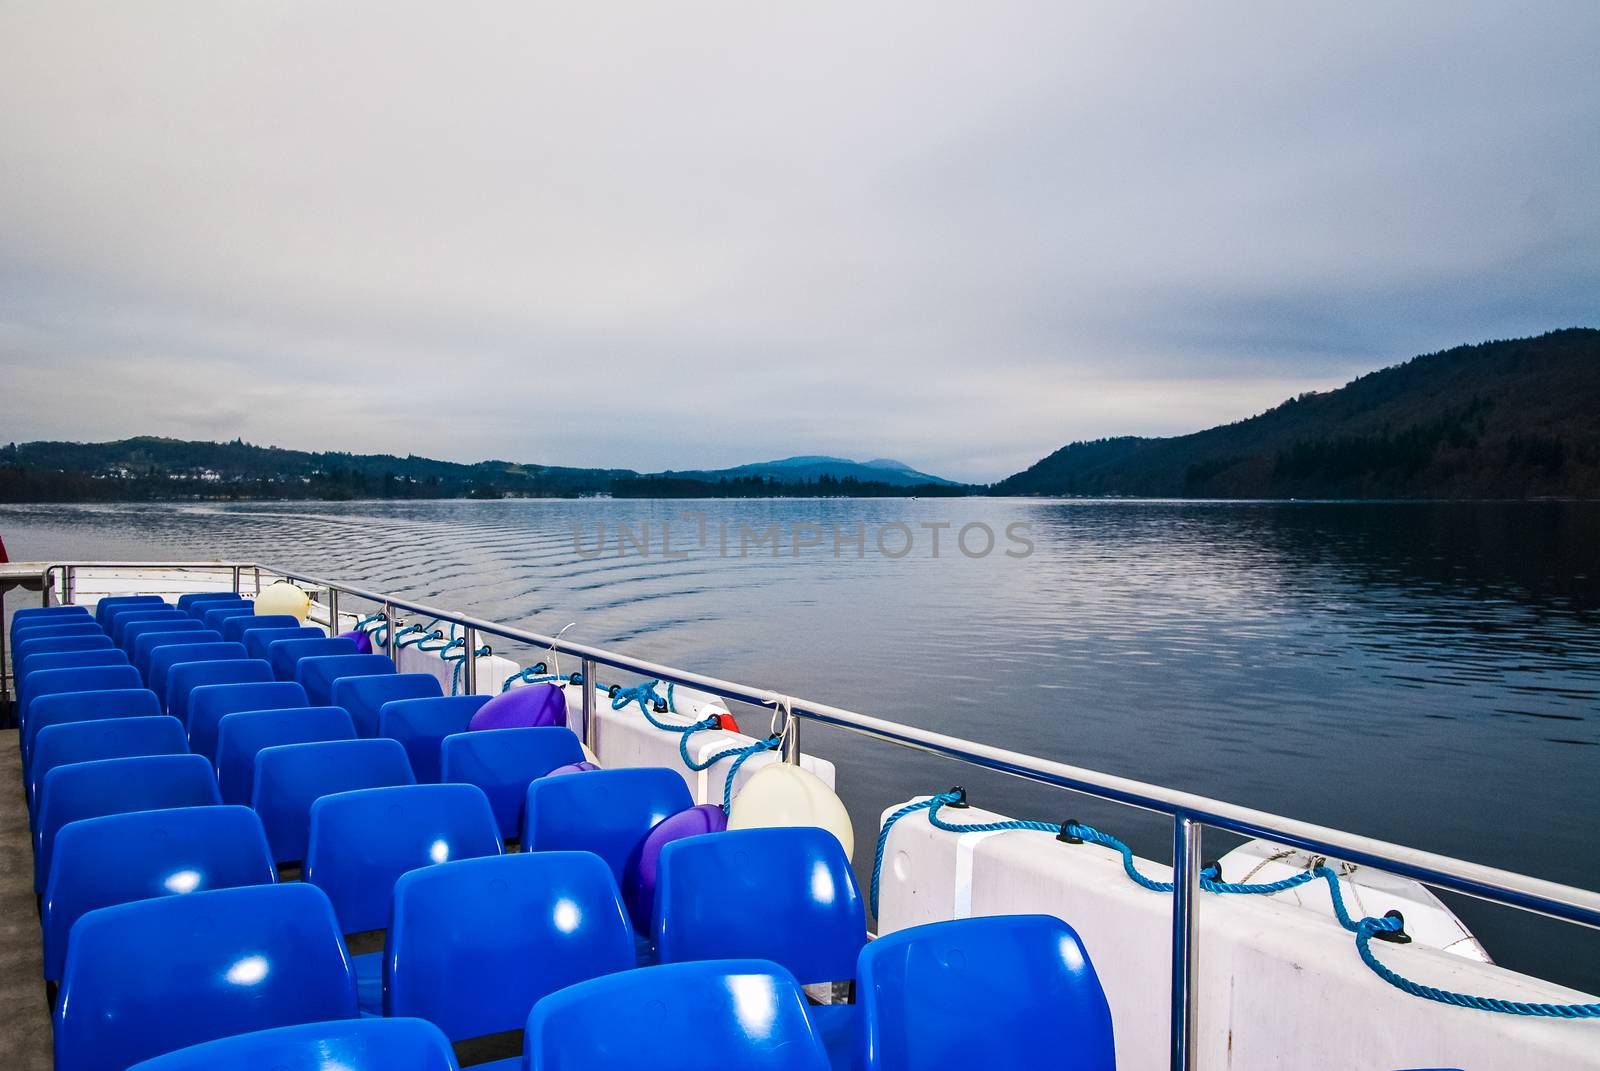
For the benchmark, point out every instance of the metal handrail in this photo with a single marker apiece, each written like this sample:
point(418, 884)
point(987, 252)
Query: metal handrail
point(1191, 813)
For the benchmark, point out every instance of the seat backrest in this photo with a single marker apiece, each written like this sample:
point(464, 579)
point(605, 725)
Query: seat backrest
point(117, 617)
point(39, 615)
point(119, 858)
point(109, 738)
point(124, 621)
point(59, 645)
point(607, 812)
point(243, 735)
point(218, 616)
point(317, 673)
point(291, 777)
point(115, 786)
point(258, 641)
point(153, 976)
point(46, 629)
point(474, 945)
point(359, 1044)
point(81, 679)
point(198, 606)
point(188, 600)
point(163, 658)
point(797, 896)
point(145, 647)
point(345, 1045)
point(362, 841)
point(210, 703)
point(503, 762)
point(235, 627)
point(748, 1014)
point(364, 696)
point(1041, 1002)
point(64, 707)
point(422, 724)
point(99, 656)
point(284, 654)
point(111, 603)
point(138, 647)
point(185, 677)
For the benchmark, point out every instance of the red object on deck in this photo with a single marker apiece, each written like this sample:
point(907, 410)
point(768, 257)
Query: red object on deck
point(3, 558)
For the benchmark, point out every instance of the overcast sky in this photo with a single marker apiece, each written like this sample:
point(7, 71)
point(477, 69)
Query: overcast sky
point(675, 235)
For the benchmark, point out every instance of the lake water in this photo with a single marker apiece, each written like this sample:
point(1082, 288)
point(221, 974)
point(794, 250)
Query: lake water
point(1424, 673)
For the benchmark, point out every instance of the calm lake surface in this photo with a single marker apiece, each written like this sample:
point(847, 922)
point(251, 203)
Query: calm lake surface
point(1424, 673)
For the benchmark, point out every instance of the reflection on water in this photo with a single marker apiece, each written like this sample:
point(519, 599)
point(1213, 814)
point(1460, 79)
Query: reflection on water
point(1427, 673)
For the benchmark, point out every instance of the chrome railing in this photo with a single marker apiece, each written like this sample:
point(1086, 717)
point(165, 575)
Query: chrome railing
point(1191, 814)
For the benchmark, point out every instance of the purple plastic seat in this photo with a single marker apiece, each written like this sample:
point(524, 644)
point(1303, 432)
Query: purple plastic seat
point(639, 880)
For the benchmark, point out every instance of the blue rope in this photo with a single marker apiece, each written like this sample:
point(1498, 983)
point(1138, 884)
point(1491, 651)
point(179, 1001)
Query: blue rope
point(744, 753)
point(538, 673)
point(460, 660)
point(646, 696)
point(422, 632)
point(1365, 929)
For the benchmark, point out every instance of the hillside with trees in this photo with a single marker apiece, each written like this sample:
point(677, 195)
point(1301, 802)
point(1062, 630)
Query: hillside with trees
point(1505, 419)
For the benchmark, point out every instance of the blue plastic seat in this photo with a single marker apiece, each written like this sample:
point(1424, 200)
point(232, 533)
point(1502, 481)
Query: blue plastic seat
point(112, 738)
point(124, 621)
point(363, 696)
point(188, 600)
point(180, 622)
point(197, 607)
point(798, 905)
point(422, 724)
point(234, 628)
point(81, 679)
point(59, 645)
point(144, 646)
point(64, 707)
point(797, 896)
point(317, 673)
point(503, 762)
point(110, 623)
point(243, 735)
point(291, 777)
point(1006, 991)
point(285, 654)
point(99, 656)
point(344, 1045)
point(258, 641)
point(114, 786)
point(746, 1014)
point(361, 842)
point(119, 858)
point(473, 945)
point(111, 603)
point(210, 703)
point(216, 617)
point(39, 615)
point(184, 677)
point(155, 976)
point(163, 658)
point(607, 812)
point(51, 630)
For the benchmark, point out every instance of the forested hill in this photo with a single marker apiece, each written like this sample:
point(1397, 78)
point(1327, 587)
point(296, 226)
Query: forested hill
point(1509, 419)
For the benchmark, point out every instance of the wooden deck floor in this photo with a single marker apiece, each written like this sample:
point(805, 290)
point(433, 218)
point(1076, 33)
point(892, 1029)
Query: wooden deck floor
point(25, 1024)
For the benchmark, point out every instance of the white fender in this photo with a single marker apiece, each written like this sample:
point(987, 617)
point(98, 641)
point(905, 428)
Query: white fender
point(283, 598)
point(784, 795)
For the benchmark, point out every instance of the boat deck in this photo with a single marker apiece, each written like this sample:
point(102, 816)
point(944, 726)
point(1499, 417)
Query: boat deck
point(25, 1041)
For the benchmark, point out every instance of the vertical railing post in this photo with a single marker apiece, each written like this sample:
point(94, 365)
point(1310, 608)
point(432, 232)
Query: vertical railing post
point(791, 740)
point(333, 611)
point(1185, 891)
point(469, 668)
point(69, 585)
point(388, 633)
point(237, 588)
point(590, 736)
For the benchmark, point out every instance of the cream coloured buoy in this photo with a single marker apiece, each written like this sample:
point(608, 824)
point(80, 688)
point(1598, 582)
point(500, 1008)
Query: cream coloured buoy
point(283, 598)
point(785, 795)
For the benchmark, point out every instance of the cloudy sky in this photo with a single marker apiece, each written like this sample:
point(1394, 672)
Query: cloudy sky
point(694, 234)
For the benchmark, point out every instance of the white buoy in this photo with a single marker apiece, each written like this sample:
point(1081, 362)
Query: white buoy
point(283, 598)
point(785, 795)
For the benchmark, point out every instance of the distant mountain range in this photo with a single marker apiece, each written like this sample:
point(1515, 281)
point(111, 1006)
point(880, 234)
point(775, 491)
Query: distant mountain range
point(1508, 419)
point(148, 467)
